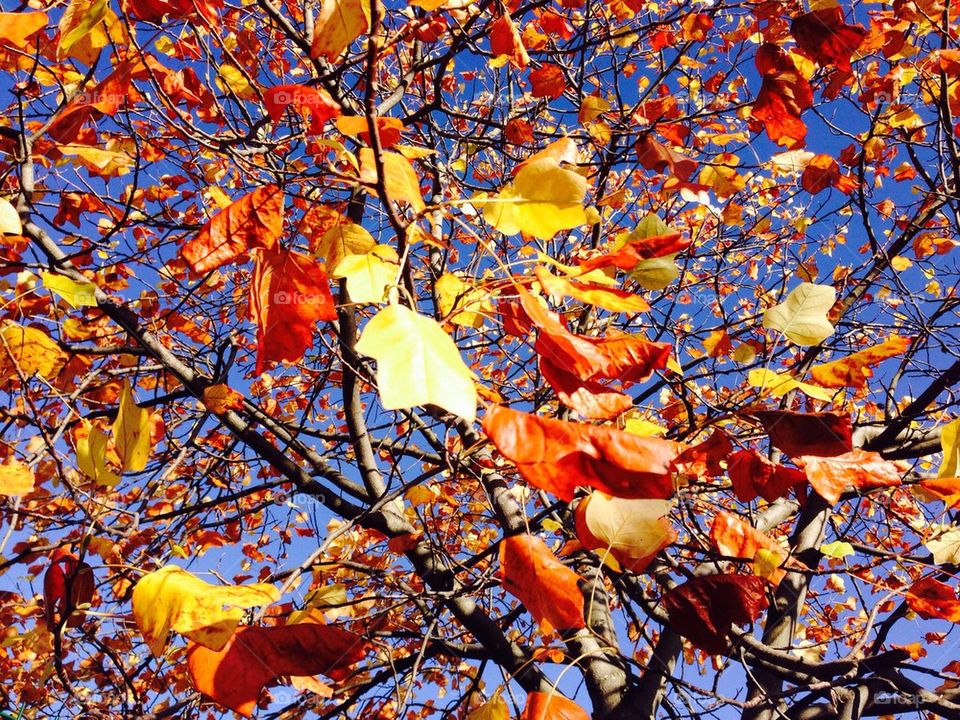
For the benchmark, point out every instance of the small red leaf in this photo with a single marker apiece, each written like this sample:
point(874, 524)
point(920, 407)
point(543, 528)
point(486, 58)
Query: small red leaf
point(548, 81)
point(753, 475)
point(306, 100)
point(67, 583)
point(634, 252)
point(827, 38)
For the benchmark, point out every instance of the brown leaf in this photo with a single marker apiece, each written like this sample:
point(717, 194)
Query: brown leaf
point(823, 434)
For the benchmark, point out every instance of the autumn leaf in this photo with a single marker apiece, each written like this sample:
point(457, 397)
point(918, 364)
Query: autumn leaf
point(858, 469)
point(173, 599)
point(461, 302)
point(369, 276)
point(733, 537)
point(417, 363)
point(552, 706)
point(91, 447)
point(784, 95)
point(388, 128)
point(950, 445)
point(654, 155)
point(253, 221)
point(9, 219)
point(634, 252)
point(505, 41)
point(220, 399)
point(68, 584)
point(289, 294)
point(254, 657)
point(16, 478)
point(632, 530)
point(29, 351)
point(17, 27)
point(705, 608)
point(779, 384)
point(587, 397)
point(753, 475)
point(76, 294)
point(547, 588)
point(802, 317)
point(493, 709)
point(854, 370)
point(797, 434)
point(547, 81)
point(78, 21)
point(826, 38)
point(944, 544)
point(820, 173)
point(399, 178)
point(559, 456)
point(931, 599)
point(344, 239)
point(131, 432)
point(607, 298)
point(338, 23)
point(309, 101)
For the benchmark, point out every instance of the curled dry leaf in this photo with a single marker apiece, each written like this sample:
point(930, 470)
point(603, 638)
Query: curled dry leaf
point(611, 299)
point(734, 537)
point(547, 588)
point(589, 398)
point(854, 370)
point(173, 599)
point(254, 657)
point(753, 475)
point(705, 609)
point(559, 456)
point(68, 583)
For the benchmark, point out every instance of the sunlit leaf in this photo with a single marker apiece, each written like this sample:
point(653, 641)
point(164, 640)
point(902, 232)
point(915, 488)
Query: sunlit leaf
point(802, 317)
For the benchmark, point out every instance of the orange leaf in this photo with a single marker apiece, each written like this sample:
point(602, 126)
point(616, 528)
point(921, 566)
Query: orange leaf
point(306, 100)
point(704, 609)
point(289, 293)
point(632, 531)
point(545, 586)
point(559, 456)
point(820, 173)
point(627, 358)
point(854, 370)
point(235, 676)
point(547, 81)
point(219, 399)
point(588, 397)
point(552, 706)
point(859, 469)
point(16, 28)
point(823, 434)
point(826, 38)
point(67, 583)
point(654, 155)
point(753, 475)
point(253, 221)
point(945, 488)
point(400, 179)
point(505, 40)
point(634, 252)
point(608, 298)
point(388, 128)
point(735, 538)
point(783, 95)
point(934, 599)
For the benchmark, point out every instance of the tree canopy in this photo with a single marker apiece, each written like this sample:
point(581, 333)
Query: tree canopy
point(477, 360)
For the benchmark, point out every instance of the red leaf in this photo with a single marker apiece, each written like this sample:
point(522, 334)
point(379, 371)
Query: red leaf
point(545, 586)
point(753, 475)
point(704, 609)
point(827, 38)
point(934, 599)
point(253, 221)
point(547, 81)
point(559, 456)
point(636, 251)
point(627, 358)
point(154, 10)
point(703, 459)
point(552, 706)
point(734, 537)
point(858, 469)
point(505, 40)
point(235, 676)
point(820, 173)
point(783, 95)
point(67, 583)
point(289, 293)
point(518, 131)
point(589, 398)
point(823, 434)
point(306, 100)
point(654, 155)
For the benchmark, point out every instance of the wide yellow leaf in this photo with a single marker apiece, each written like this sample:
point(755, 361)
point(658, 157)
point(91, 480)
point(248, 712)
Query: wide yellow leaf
point(633, 530)
point(950, 442)
point(779, 384)
point(543, 199)
point(342, 240)
point(31, 351)
point(103, 162)
point(78, 22)
point(462, 303)
point(173, 599)
point(369, 275)
point(9, 219)
point(417, 363)
point(131, 432)
point(652, 273)
point(493, 709)
point(92, 455)
point(945, 545)
point(17, 27)
point(76, 294)
point(338, 24)
point(802, 317)
point(16, 478)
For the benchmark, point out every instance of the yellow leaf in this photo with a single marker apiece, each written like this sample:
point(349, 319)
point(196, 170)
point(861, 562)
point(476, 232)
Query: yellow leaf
point(467, 304)
point(31, 350)
point(838, 549)
point(17, 27)
point(949, 437)
point(945, 545)
point(779, 384)
point(400, 179)
point(78, 22)
point(9, 219)
point(543, 199)
point(104, 162)
point(631, 529)
point(594, 277)
point(428, 5)
point(369, 275)
point(802, 317)
point(338, 24)
point(131, 432)
point(591, 108)
point(493, 709)
point(417, 363)
point(642, 427)
point(342, 240)
point(745, 354)
point(76, 294)
point(92, 455)
point(766, 562)
point(222, 398)
point(173, 599)
point(16, 478)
